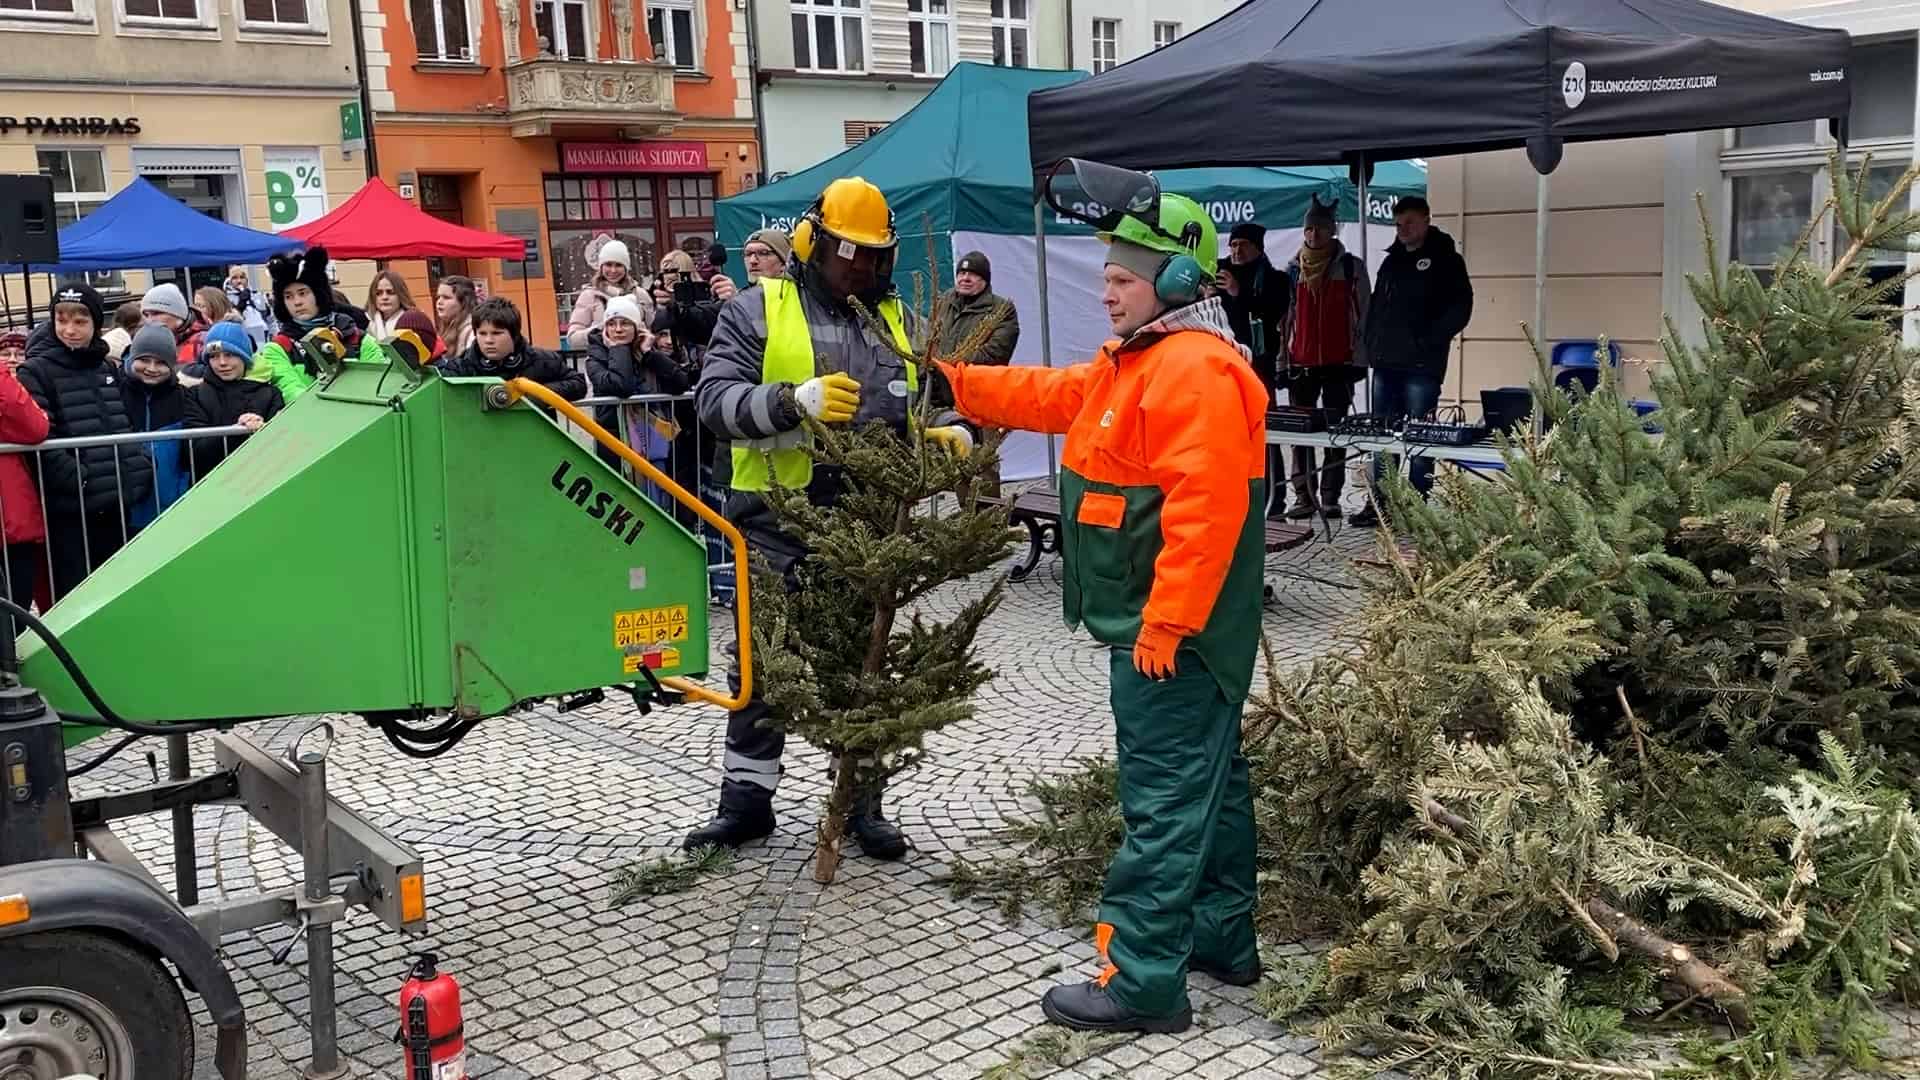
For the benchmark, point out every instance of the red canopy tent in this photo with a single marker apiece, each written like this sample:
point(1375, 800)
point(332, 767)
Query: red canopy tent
point(378, 224)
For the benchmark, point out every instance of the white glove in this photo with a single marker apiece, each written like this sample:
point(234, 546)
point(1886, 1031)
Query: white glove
point(831, 399)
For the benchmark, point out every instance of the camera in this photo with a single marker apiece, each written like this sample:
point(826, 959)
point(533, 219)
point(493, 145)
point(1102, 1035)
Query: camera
point(692, 292)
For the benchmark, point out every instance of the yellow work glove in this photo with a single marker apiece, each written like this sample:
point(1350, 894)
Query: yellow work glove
point(831, 399)
point(954, 439)
point(1153, 653)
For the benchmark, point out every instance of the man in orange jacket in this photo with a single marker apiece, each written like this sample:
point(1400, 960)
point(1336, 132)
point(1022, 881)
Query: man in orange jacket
point(1161, 484)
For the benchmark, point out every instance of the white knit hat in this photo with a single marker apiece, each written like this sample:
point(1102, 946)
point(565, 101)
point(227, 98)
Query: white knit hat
point(624, 307)
point(167, 299)
point(615, 251)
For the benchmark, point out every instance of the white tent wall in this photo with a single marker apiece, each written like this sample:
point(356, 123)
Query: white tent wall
point(1078, 318)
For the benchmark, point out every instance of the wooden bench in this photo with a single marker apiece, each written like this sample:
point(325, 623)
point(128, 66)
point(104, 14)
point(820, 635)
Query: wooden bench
point(1040, 513)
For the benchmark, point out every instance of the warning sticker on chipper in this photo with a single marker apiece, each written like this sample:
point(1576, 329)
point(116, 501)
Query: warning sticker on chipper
point(650, 626)
point(652, 660)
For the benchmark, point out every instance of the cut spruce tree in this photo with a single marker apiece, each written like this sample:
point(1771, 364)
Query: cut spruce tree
point(1626, 745)
point(843, 658)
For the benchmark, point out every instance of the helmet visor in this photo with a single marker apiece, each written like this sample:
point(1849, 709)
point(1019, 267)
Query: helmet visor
point(1101, 195)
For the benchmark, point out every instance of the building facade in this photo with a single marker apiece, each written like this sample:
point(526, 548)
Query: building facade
point(1625, 227)
point(1108, 33)
point(833, 72)
point(232, 107)
point(565, 122)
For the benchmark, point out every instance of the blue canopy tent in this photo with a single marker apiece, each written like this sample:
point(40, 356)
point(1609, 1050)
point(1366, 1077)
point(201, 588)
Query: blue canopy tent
point(144, 226)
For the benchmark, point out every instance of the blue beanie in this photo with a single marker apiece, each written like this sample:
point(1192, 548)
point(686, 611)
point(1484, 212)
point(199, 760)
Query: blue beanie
point(232, 338)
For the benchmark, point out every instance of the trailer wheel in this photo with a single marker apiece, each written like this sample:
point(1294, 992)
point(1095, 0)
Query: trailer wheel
point(80, 1003)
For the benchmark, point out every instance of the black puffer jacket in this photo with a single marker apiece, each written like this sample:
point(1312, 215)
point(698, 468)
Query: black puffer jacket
point(525, 362)
point(615, 371)
point(221, 403)
point(79, 390)
point(1421, 300)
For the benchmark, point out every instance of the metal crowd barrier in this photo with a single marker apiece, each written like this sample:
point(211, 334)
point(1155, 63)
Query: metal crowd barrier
point(76, 543)
point(687, 455)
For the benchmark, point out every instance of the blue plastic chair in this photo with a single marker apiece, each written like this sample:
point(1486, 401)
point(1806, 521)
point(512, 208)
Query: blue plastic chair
point(1583, 354)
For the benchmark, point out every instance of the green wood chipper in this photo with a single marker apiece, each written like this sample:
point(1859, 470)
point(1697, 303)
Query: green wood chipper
point(417, 551)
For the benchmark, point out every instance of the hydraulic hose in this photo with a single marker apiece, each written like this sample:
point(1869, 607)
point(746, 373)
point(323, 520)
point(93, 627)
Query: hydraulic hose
point(107, 717)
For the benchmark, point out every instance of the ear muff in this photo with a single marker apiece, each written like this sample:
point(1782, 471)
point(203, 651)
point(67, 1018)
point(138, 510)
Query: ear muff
point(806, 232)
point(1180, 278)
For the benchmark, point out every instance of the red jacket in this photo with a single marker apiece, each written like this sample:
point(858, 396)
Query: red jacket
point(21, 421)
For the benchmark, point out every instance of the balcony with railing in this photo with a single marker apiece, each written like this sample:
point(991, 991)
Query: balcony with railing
point(547, 92)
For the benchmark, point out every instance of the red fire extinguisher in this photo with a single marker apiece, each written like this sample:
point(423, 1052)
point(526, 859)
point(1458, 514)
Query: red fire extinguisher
point(431, 1030)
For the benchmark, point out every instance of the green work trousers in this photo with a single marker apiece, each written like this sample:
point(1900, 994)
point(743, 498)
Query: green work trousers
point(1181, 887)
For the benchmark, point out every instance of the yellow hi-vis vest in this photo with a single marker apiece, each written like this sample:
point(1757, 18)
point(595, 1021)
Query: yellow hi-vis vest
point(789, 359)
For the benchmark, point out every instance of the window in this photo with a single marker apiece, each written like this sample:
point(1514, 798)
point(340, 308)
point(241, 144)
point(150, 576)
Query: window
point(650, 214)
point(1775, 174)
point(929, 36)
point(1770, 210)
point(690, 196)
point(670, 25)
point(29, 8)
point(859, 131)
point(79, 187)
point(441, 31)
point(561, 26)
point(1165, 34)
point(1106, 45)
point(1010, 33)
point(829, 35)
point(164, 10)
point(274, 14)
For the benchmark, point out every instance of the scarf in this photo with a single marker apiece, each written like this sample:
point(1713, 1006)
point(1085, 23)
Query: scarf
point(1314, 263)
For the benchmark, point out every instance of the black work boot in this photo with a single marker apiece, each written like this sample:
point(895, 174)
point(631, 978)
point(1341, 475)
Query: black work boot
point(1088, 1007)
point(745, 815)
point(1367, 518)
point(878, 837)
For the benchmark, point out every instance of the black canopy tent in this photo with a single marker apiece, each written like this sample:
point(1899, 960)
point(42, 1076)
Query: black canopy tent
point(1286, 82)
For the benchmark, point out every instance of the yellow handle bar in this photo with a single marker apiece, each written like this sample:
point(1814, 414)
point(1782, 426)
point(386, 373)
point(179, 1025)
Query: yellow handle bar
point(519, 388)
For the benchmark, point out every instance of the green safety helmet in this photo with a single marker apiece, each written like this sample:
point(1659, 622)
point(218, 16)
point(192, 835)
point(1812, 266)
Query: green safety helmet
point(1128, 206)
point(1182, 228)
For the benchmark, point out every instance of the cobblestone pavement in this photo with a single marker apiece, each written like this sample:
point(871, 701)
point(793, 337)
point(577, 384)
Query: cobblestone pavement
point(756, 973)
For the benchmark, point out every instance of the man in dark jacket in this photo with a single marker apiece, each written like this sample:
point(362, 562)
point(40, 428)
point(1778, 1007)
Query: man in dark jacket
point(787, 349)
point(1256, 297)
point(87, 492)
point(1422, 299)
point(499, 349)
point(969, 304)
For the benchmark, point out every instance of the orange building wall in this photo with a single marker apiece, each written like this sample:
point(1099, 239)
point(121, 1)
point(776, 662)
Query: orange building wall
point(502, 172)
point(469, 136)
point(467, 93)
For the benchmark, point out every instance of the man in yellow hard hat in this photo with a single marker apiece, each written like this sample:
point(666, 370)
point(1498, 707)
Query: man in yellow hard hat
point(785, 349)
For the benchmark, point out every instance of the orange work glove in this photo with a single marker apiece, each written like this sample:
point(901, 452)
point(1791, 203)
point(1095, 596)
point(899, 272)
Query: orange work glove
point(1153, 653)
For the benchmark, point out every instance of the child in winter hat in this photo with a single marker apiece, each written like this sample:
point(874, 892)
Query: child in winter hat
point(166, 299)
point(232, 338)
